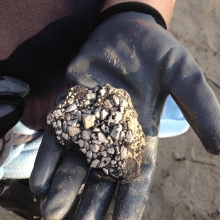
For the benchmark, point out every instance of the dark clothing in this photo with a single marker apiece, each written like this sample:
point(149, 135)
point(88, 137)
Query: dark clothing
point(38, 40)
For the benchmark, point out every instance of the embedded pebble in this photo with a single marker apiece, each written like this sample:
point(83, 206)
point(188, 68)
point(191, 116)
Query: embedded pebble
point(95, 163)
point(88, 120)
point(89, 154)
point(59, 132)
point(124, 152)
point(81, 143)
point(111, 150)
point(73, 130)
point(91, 96)
point(104, 114)
point(57, 113)
point(97, 113)
point(102, 92)
point(86, 145)
point(104, 153)
point(93, 136)
point(83, 150)
point(113, 162)
point(104, 124)
point(102, 138)
point(116, 131)
point(105, 171)
point(79, 115)
point(94, 148)
point(108, 104)
point(86, 134)
point(71, 108)
point(129, 137)
point(65, 136)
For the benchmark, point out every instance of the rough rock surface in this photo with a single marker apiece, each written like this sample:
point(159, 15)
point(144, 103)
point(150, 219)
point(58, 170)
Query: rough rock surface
point(104, 125)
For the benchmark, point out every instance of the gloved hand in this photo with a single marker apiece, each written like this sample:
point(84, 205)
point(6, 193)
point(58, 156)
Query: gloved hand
point(11, 110)
point(127, 50)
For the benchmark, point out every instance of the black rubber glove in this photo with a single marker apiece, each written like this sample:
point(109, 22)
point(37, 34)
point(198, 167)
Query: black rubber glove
point(128, 50)
point(11, 110)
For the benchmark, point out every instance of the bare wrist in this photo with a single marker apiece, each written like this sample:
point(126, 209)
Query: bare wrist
point(165, 7)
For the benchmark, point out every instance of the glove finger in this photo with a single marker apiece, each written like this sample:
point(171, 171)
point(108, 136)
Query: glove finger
point(186, 83)
point(46, 162)
point(96, 198)
point(64, 188)
point(13, 85)
point(132, 197)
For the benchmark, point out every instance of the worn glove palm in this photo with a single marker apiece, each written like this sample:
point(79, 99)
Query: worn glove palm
point(128, 50)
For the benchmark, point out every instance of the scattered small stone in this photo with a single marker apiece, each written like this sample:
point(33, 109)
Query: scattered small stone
point(65, 136)
point(104, 114)
point(91, 96)
point(81, 143)
point(86, 134)
point(59, 132)
point(94, 148)
point(89, 154)
point(111, 150)
point(108, 104)
point(102, 138)
point(57, 113)
point(124, 152)
point(93, 136)
point(105, 171)
point(104, 153)
point(116, 100)
point(95, 163)
point(97, 113)
point(116, 131)
point(96, 130)
point(83, 150)
point(72, 131)
point(102, 92)
point(71, 108)
point(88, 120)
point(70, 101)
point(129, 137)
point(86, 145)
point(118, 158)
point(113, 162)
point(79, 115)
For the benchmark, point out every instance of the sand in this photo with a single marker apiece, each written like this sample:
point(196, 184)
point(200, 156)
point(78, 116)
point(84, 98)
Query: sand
point(186, 184)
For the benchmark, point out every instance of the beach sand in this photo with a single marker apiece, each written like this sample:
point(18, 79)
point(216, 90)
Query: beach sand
point(186, 184)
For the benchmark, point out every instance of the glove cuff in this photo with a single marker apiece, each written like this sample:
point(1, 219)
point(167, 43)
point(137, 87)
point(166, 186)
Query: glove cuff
point(131, 6)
